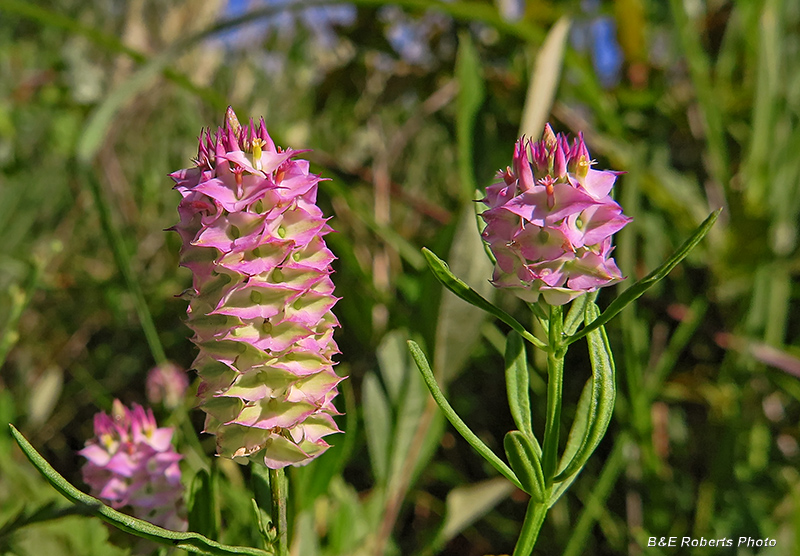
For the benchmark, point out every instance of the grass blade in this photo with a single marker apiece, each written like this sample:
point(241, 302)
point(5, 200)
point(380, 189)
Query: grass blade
point(471, 93)
point(123, 260)
point(544, 80)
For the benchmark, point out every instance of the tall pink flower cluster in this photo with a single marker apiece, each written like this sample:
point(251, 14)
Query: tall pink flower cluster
point(260, 305)
point(550, 221)
point(131, 463)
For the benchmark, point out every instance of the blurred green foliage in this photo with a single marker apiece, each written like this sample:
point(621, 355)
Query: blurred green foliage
point(99, 101)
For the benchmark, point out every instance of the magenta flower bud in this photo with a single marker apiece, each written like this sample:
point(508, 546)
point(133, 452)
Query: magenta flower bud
point(549, 138)
point(522, 168)
point(261, 301)
point(131, 464)
point(559, 163)
point(553, 238)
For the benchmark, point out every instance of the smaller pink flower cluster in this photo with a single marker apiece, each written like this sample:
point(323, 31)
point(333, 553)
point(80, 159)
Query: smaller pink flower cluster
point(132, 463)
point(550, 221)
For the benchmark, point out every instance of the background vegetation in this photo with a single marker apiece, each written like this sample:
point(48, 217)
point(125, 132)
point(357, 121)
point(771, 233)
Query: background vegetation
point(407, 111)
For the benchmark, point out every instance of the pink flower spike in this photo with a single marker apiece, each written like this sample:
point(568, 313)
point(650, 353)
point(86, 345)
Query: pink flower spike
point(262, 298)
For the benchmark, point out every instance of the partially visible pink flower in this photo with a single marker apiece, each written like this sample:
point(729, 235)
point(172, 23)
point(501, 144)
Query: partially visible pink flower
point(167, 384)
point(550, 221)
point(131, 463)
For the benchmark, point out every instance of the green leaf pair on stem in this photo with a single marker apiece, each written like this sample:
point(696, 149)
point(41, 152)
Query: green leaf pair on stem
point(534, 468)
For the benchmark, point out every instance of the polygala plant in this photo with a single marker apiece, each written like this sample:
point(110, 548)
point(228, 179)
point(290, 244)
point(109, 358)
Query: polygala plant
point(260, 307)
point(549, 227)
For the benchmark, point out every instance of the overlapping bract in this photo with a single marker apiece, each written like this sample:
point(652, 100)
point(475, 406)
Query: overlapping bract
point(550, 221)
point(131, 463)
point(261, 300)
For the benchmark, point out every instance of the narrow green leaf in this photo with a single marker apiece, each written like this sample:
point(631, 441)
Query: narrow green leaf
point(202, 503)
point(585, 411)
point(455, 420)
point(636, 290)
point(525, 462)
point(263, 523)
point(191, 542)
point(601, 403)
point(462, 290)
point(518, 385)
point(555, 390)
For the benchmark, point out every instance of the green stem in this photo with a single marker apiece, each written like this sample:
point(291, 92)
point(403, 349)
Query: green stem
point(534, 518)
point(278, 488)
point(555, 380)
